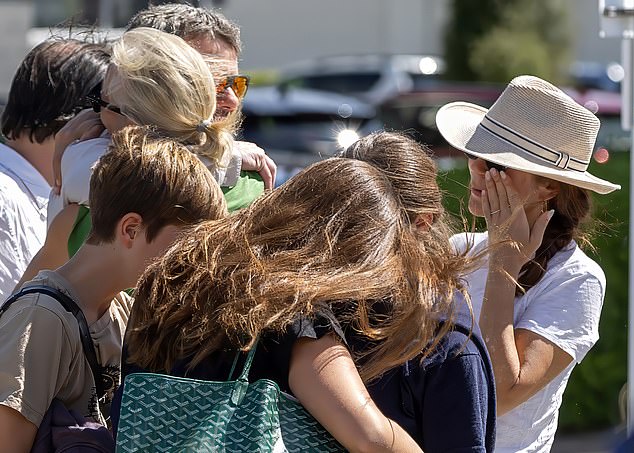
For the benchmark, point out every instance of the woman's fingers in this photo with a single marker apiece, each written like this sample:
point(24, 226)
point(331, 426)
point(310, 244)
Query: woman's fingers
point(537, 232)
point(511, 193)
point(500, 187)
point(486, 209)
point(490, 196)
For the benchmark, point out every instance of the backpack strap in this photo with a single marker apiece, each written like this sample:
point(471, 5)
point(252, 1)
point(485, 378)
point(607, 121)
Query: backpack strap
point(84, 332)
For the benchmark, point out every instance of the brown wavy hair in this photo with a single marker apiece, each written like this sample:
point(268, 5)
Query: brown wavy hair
point(333, 235)
point(572, 216)
point(412, 172)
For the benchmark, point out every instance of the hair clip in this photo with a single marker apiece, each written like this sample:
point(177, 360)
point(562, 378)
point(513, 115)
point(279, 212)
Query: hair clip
point(203, 125)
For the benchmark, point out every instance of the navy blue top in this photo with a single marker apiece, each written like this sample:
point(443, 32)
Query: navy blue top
point(447, 402)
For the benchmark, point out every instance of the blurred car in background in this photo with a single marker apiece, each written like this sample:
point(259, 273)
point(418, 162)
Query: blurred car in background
point(415, 112)
point(299, 126)
point(372, 78)
point(606, 105)
point(597, 76)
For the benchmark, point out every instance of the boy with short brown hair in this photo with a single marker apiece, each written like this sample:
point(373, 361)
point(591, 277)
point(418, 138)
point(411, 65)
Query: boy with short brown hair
point(143, 192)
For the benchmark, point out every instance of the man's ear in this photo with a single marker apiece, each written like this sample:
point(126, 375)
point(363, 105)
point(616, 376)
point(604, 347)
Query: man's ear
point(129, 228)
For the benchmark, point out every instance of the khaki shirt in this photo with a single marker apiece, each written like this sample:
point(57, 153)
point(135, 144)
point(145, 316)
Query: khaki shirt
point(41, 354)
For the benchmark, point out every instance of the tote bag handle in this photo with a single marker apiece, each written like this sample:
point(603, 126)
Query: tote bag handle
point(242, 383)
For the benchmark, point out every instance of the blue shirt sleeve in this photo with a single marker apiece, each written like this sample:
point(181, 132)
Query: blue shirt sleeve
point(455, 405)
point(447, 401)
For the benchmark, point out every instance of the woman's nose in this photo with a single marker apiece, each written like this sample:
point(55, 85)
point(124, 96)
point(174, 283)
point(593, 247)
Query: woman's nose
point(477, 165)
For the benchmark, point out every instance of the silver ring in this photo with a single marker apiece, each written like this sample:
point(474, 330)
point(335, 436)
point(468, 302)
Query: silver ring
point(496, 211)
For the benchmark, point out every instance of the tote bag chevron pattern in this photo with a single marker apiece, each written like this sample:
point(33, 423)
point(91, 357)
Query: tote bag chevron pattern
point(162, 413)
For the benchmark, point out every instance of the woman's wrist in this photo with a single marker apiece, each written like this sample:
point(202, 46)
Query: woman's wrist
point(508, 261)
point(505, 266)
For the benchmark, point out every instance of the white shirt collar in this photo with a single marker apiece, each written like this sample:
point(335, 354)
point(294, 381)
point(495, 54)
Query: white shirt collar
point(25, 175)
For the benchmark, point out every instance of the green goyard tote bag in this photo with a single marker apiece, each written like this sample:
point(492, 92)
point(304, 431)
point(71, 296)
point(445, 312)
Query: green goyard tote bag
point(162, 413)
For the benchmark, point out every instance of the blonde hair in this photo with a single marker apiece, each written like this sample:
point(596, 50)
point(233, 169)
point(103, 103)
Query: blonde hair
point(166, 84)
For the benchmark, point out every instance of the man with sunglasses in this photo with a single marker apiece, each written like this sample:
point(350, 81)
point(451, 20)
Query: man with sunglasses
point(215, 37)
point(227, 87)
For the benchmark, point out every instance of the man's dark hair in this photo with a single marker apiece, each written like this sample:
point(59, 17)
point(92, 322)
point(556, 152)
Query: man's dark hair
point(50, 87)
point(188, 21)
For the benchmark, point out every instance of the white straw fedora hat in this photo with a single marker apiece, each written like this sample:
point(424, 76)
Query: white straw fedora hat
point(533, 127)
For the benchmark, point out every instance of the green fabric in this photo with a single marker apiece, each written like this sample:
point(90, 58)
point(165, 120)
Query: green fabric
point(249, 187)
point(80, 231)
point(172, 414)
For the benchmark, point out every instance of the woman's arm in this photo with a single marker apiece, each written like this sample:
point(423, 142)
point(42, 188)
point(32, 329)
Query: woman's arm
point(16, 432)
point(54, 252)
point(523, 361)
point(325, 380)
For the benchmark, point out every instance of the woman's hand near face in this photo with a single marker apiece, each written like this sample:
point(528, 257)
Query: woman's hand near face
point(523, 361)
point(508, 224)
point(86, 125)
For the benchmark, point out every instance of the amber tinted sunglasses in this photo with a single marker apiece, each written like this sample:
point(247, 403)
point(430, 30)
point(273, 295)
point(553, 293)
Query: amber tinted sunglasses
point(238, 83)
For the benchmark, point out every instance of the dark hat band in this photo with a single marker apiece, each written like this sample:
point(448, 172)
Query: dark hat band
point(557, 158)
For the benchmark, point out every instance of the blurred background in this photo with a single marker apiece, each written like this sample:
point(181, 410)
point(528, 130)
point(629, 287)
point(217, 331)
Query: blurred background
point(326, 72)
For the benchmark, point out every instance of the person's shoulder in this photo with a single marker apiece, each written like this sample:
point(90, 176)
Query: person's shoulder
point(93, 147)
point(584, 262)
point(459, 341)
point(39, 307)
point(80, 157)
point(461, 242)
point(50, 279)
point(11, 194)
point(573, 264)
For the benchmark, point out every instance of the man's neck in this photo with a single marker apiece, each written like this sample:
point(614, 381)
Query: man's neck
point(40, 155)
point(95, 277)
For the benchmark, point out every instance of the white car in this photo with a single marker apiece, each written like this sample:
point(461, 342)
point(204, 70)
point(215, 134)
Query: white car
point(372, 78)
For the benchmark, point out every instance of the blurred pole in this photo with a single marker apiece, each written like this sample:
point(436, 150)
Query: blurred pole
point(627, 108)
point(106, 13)
point(617, 20)
point(627, 85)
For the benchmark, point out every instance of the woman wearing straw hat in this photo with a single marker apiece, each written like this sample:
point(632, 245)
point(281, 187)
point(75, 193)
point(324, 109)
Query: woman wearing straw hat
point(538, 299)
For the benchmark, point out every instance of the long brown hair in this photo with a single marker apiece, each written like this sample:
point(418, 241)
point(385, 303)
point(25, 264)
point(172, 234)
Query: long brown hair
point(334, 235)
point(573, 207)
point(412, 172)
